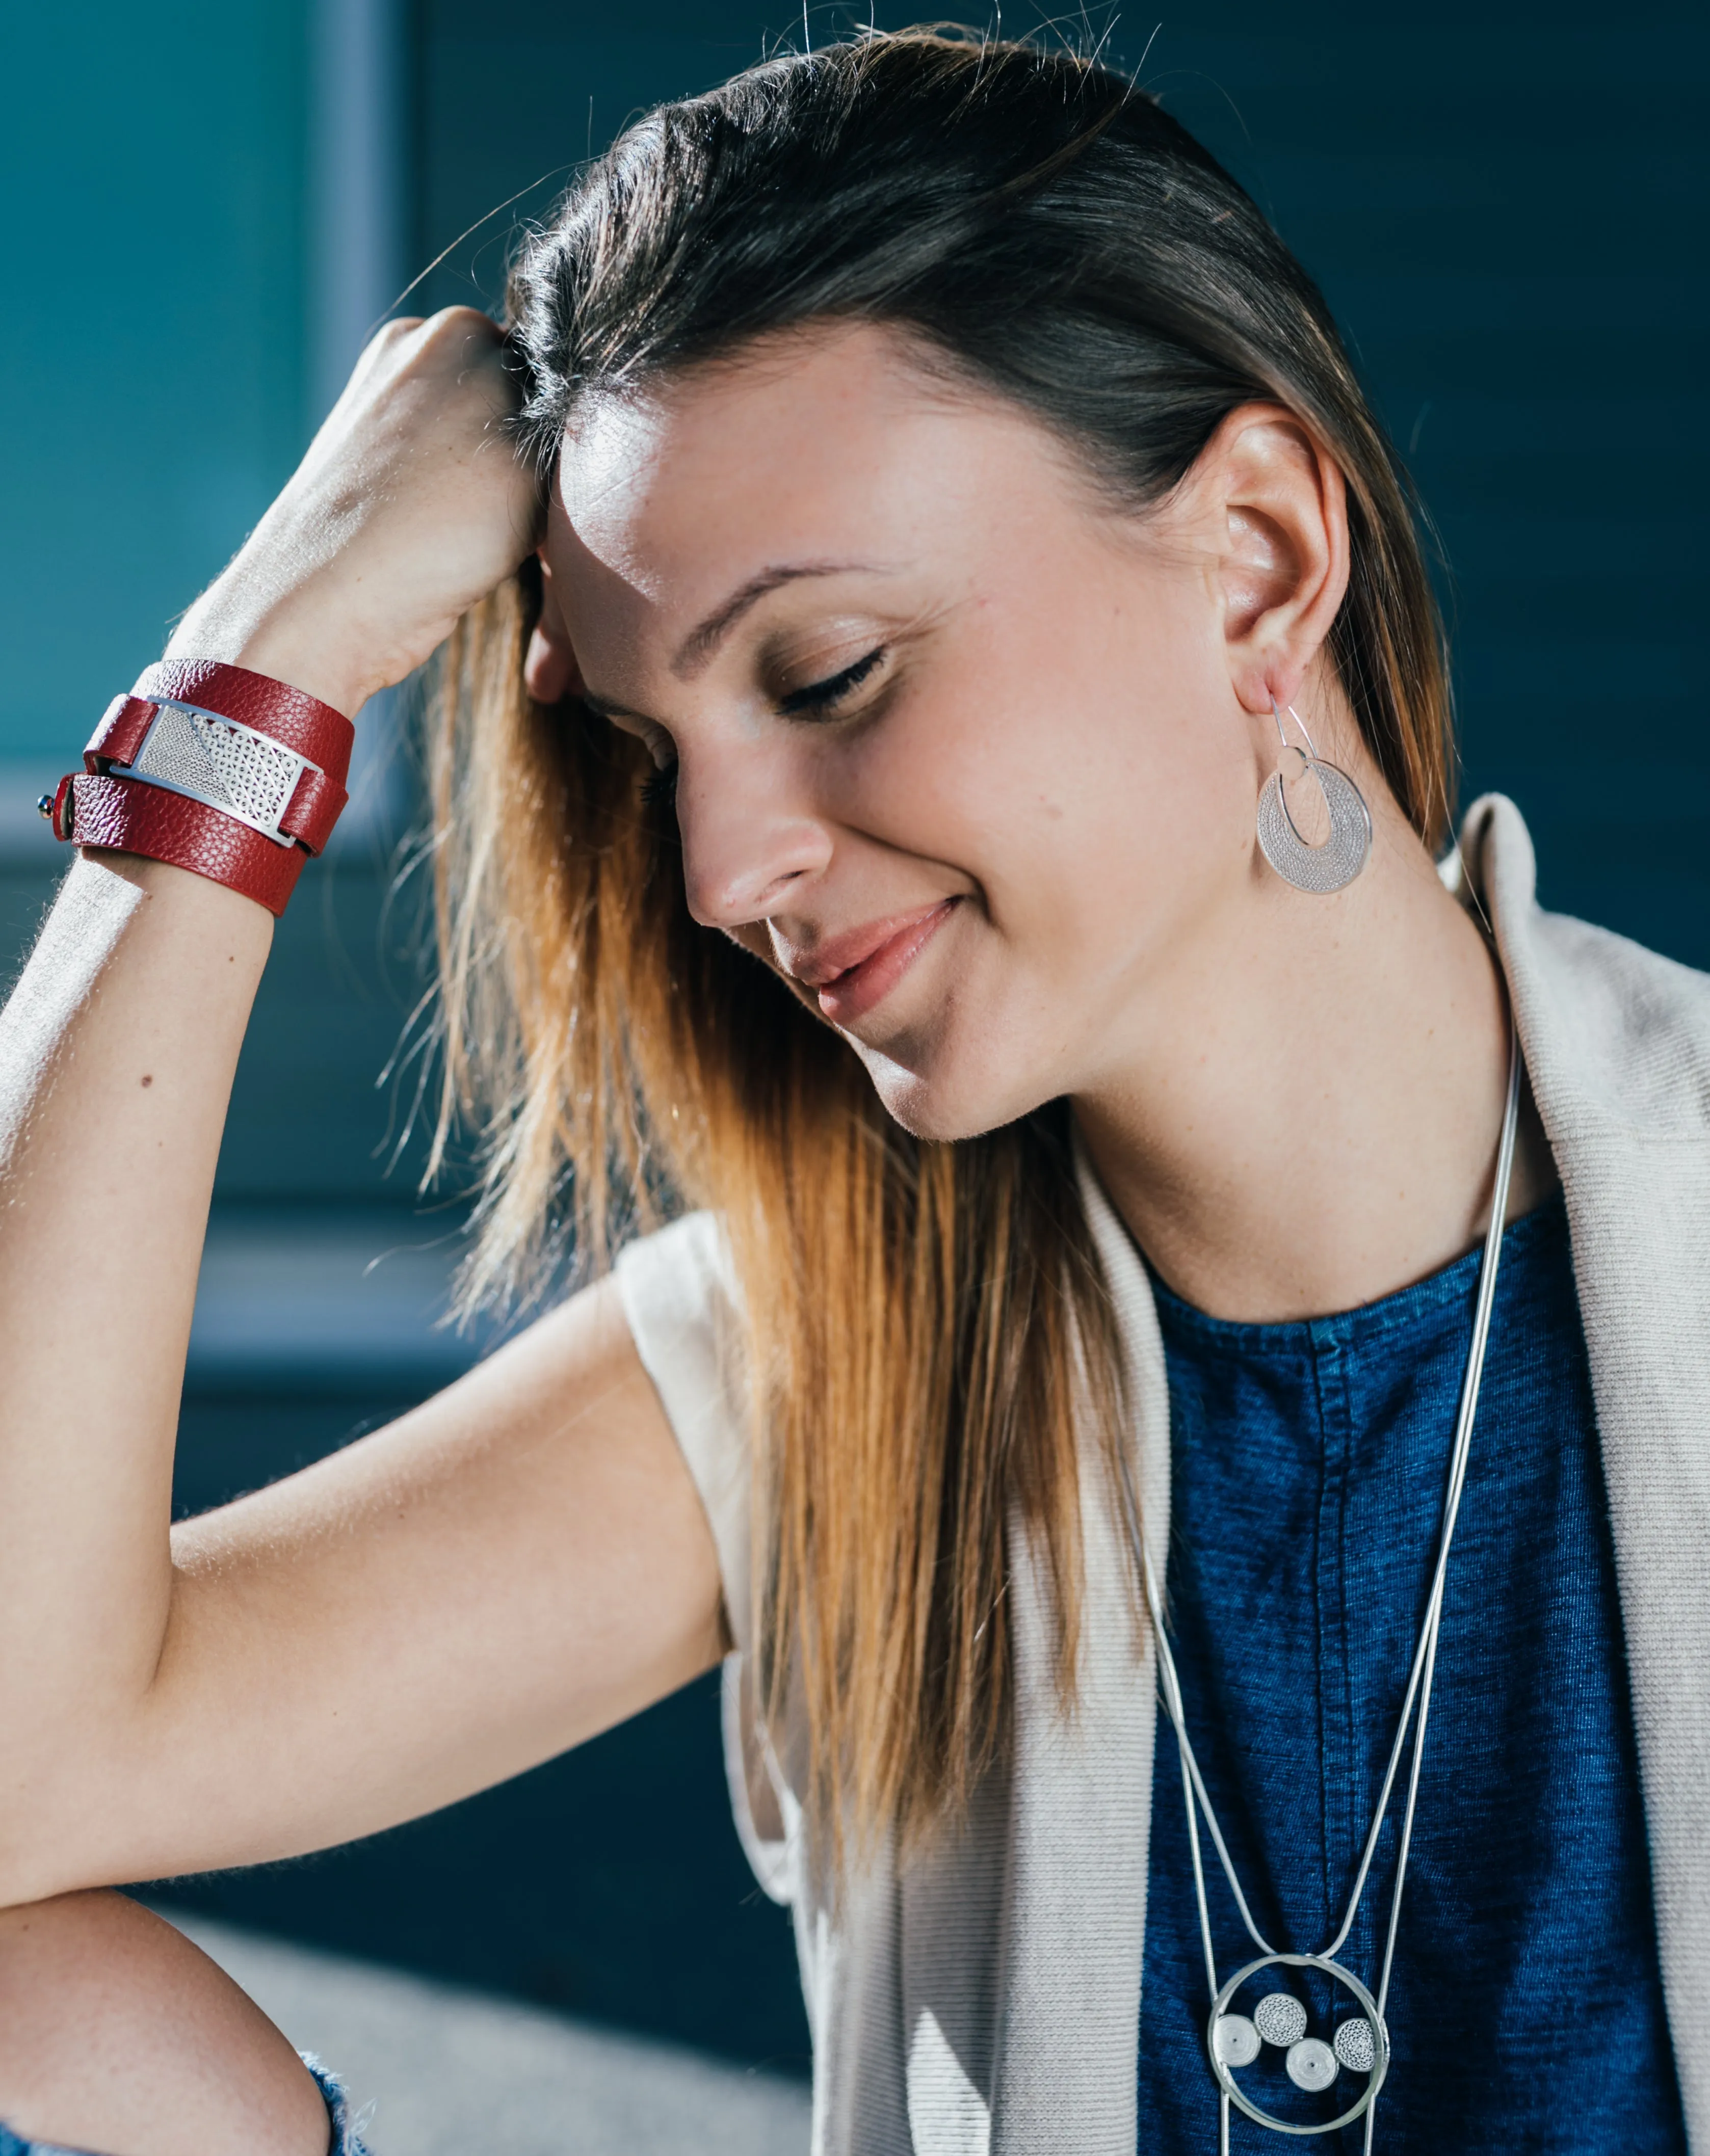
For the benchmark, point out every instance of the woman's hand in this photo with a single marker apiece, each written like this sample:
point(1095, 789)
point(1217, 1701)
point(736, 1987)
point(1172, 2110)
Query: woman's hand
point(409, 506)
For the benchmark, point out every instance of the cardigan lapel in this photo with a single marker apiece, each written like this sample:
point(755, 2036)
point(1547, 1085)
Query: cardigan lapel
point(1081, 1794)
point(1617, 1046)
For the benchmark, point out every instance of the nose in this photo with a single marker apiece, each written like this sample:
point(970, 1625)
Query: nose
point(751, 839)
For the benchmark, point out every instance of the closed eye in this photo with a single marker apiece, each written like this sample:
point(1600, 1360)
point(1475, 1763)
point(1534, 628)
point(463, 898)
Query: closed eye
point(819, 698)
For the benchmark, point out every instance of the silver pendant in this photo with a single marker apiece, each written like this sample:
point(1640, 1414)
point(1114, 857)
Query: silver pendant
point(1360, 2044)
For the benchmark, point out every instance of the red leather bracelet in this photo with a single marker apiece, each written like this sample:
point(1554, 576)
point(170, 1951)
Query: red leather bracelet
point(227, 773)
point(129, 817)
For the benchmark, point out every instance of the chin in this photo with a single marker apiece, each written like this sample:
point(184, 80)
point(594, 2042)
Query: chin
point(941, 1106)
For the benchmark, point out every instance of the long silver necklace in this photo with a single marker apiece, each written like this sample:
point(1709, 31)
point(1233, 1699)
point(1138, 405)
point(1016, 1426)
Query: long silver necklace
point(1360, 2042)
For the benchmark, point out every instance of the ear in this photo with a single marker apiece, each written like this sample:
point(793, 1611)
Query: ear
point(549, 670)
point(1283, 508)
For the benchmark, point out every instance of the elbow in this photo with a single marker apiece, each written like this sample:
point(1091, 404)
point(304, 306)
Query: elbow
point(49, 1839)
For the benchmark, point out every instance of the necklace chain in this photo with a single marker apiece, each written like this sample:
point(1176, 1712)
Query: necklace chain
point(1195, 1797)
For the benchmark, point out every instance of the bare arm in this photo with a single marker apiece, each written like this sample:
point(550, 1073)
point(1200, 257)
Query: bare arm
point(518, 1563)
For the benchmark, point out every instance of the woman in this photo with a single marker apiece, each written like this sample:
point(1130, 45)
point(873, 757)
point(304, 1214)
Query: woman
point(949, 804)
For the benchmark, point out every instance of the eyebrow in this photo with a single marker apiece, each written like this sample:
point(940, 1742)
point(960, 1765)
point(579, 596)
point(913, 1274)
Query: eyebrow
point(699, 645)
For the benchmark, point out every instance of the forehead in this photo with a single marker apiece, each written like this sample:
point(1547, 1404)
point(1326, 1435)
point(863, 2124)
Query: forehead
point(830, 440)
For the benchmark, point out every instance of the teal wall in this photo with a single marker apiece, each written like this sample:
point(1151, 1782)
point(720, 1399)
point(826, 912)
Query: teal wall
point(154, 395)
point(152, 376)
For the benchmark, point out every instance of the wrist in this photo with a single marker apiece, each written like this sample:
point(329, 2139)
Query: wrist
point(302, 648)
point(215, 767)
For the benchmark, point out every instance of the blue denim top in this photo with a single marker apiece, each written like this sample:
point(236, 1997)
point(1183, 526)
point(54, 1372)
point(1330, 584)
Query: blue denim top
point(1308, 1470)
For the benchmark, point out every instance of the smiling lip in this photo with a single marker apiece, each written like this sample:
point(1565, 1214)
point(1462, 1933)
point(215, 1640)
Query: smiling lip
point(854, 972)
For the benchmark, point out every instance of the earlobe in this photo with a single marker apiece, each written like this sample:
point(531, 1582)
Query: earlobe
point(550, 673)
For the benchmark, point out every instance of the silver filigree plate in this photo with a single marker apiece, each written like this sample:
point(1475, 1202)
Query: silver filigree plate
point(1361, 2043)
point(1321, 868)
point(243, 773)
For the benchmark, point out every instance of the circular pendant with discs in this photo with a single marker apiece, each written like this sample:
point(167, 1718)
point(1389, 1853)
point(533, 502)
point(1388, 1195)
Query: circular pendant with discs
point(1360, 2043)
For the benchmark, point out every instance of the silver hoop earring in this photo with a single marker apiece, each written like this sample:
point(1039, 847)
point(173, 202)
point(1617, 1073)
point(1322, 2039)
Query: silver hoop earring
point(1335, 864)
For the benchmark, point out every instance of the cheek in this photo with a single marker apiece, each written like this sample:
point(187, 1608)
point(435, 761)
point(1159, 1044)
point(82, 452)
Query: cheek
point(1074, 782)
point(1127, 789)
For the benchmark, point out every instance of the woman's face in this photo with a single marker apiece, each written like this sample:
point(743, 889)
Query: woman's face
point(968, 756)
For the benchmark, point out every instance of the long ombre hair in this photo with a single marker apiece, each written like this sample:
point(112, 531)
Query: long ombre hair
point(927, 1328)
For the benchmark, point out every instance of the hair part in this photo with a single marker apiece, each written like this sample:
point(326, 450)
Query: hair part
point(932, 1357)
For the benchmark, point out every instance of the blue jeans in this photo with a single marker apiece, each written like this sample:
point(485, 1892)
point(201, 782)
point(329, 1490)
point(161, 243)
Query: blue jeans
point(343, 2137)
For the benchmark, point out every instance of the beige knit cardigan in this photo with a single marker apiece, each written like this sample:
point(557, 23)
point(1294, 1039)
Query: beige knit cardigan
point(984, 2000)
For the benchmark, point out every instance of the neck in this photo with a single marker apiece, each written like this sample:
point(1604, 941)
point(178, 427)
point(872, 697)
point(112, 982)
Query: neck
point(1310, 1119)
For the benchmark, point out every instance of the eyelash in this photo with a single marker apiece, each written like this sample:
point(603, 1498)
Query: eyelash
point(823, 696)
point(659, 790)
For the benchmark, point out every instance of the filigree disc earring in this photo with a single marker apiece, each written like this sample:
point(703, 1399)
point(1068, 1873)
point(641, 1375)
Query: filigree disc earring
point(1339, 859)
